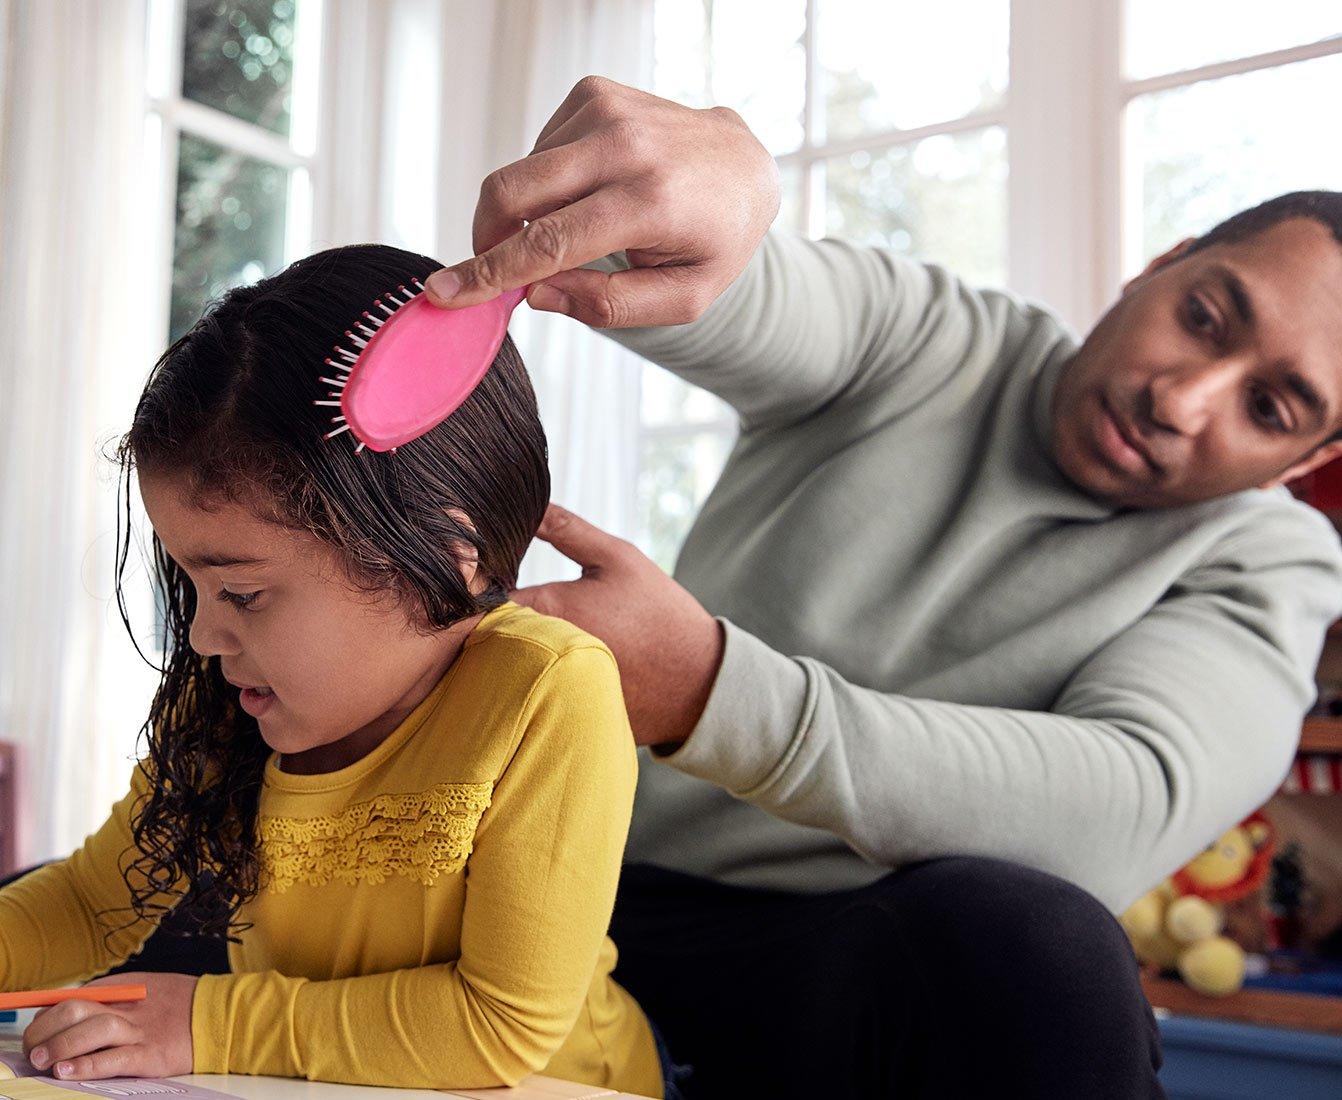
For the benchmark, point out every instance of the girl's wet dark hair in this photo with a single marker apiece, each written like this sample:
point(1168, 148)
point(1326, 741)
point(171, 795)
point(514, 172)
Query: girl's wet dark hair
point(228, 410)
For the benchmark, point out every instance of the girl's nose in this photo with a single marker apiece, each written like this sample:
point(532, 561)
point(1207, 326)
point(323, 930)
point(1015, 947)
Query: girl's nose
point(209, 636)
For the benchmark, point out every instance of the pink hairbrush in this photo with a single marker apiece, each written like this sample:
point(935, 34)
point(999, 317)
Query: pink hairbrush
point(409, 370)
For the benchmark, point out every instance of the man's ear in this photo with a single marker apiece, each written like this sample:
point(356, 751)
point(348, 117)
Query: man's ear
point(1308, 464)
point(1166, 257)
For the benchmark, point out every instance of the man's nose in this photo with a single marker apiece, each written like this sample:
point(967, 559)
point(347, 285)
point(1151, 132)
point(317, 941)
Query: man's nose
point(1185, 399)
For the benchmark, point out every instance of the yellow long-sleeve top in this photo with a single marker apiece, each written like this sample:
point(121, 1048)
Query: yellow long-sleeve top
point(433, 915)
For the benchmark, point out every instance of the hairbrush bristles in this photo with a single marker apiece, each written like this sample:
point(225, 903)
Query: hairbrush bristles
point(349, 358)
point(397, 376)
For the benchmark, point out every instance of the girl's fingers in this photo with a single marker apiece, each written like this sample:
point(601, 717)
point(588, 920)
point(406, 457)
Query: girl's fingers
point(106, 1029)
point(123, 1061)
point(55, 1019)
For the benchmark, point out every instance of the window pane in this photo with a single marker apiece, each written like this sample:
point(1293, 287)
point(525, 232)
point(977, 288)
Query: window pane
point(239, 58)
point(1165, 36)
point(942, 199)
point(1205, 151)
point(676, 473)
point(790, 213)
point(230, 225)
point(898, 65)
point(743, 54)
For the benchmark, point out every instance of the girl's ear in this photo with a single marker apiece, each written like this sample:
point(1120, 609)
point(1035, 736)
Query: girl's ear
point(468, 560)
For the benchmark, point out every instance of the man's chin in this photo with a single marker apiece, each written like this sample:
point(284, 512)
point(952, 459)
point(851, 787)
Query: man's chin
point(1086, 473)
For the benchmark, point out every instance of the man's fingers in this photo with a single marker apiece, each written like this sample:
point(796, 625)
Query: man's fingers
point(548, 599)
point(647, 296)
point(578, 540)
point(533, 187)
point(583, 122)
point(581, 94)
point(584, 231)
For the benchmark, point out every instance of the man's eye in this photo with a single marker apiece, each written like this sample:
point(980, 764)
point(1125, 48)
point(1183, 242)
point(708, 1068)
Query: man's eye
point(1200, 317)
point(241, 601)
point(1266, 411)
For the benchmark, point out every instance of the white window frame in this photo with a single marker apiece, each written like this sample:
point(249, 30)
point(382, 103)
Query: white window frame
point(1074, 215)
point(1074, 197)
point(168, 114)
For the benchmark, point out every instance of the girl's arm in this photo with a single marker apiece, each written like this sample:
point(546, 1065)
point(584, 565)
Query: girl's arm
point(55, 922)
point(541, 889)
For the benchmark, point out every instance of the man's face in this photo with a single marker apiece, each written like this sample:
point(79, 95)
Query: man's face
point(1214, 372)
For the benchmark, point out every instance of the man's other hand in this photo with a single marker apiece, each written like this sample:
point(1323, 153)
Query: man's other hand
point(667, 646)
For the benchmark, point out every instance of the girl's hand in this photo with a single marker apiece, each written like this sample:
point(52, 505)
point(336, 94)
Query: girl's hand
point(83, 1041)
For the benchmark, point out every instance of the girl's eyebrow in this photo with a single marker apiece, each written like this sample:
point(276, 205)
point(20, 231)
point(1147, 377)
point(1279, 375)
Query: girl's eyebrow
point(219, 561)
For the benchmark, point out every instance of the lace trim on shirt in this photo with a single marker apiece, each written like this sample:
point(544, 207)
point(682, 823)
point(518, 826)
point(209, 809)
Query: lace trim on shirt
point(420, 836)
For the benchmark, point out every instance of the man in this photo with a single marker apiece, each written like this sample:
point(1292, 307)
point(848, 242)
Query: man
point(977, 623)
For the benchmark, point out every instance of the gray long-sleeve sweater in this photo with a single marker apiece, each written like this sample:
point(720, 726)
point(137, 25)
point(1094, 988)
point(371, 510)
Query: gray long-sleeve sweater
point(936, 644)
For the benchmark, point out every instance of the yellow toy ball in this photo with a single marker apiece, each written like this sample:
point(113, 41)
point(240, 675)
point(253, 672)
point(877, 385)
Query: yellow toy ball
point(1190, 919)
point(1214, 967)
point(1143, 917)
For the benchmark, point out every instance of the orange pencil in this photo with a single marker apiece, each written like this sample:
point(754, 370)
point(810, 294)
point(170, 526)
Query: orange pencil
point(103, 994)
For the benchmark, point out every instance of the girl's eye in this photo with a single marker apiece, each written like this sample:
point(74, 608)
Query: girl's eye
point(1266, 411)
point(241, 601)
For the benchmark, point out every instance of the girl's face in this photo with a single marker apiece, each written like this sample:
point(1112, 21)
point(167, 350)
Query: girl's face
point(327, 670)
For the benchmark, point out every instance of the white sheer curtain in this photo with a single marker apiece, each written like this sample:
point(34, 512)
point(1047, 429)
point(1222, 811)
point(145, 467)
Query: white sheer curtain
point(429, 96)
point(420, 100)
point(72, 691)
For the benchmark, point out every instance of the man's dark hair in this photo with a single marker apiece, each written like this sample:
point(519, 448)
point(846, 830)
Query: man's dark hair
point(1324, 207)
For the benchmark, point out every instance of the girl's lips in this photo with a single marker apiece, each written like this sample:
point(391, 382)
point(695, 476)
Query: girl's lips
point(256, 701)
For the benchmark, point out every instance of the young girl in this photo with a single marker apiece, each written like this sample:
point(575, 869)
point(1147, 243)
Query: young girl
point(401, 797)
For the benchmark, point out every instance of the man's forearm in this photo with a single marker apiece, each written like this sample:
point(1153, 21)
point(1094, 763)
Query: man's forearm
point(1111, 804)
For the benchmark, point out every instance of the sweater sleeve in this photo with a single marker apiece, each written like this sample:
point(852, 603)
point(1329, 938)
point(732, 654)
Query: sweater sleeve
point(70, 920)
point(809, 322)
point(540, 891)
point(1166, 736)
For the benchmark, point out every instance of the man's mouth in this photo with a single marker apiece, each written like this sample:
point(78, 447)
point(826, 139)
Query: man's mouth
point(1123, 445)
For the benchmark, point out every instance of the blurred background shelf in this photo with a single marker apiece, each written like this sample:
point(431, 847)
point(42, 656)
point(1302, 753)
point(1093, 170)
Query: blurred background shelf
point(1262, 1007)
point(1321, 735)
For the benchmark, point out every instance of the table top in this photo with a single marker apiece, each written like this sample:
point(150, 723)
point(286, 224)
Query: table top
point(289, 1088)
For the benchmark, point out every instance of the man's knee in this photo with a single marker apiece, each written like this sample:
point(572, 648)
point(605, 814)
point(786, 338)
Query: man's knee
point(991, 909)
